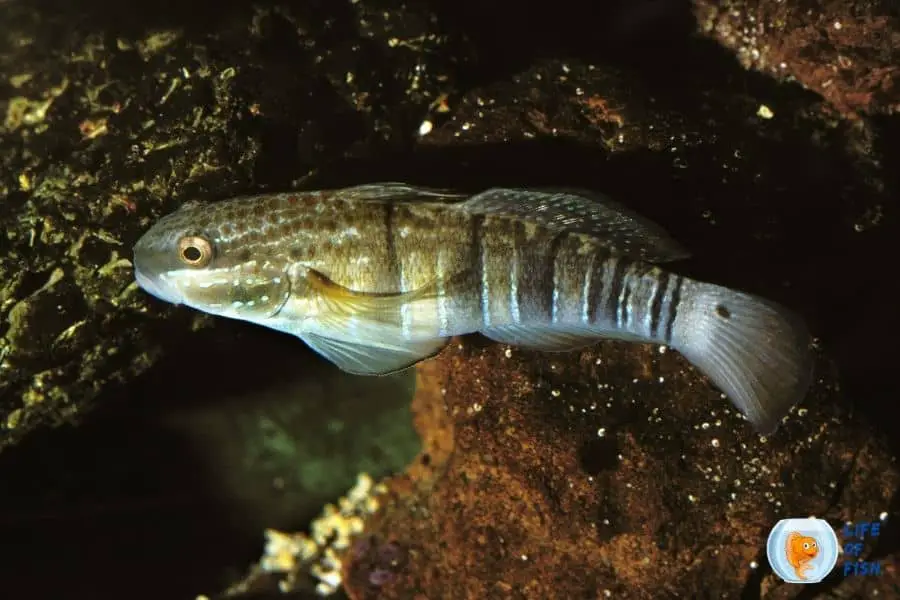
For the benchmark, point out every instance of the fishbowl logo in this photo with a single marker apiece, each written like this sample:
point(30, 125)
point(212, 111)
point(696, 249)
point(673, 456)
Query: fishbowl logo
point(802, 550)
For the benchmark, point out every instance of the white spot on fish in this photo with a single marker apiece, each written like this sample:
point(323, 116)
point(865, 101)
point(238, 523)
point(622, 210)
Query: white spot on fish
point(624, 311)
point(208, 284)
point(237, 304)
point(443, 311)
point(405, 315)
point(554, 307)
point(586, 291)
point(485, 287)
point(404, 231)
point(514, 289)
point(264, 299)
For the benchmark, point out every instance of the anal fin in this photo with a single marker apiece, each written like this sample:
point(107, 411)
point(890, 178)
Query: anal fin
point(554, 338)
point(364, 359)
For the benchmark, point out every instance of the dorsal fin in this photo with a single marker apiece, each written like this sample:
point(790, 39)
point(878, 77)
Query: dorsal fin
point(584, 212)
point(401, 192)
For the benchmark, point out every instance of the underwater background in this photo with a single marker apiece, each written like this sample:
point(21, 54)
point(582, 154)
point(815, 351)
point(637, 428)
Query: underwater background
point(149, 451)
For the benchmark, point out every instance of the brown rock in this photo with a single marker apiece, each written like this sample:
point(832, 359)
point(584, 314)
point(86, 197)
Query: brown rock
point(845, 51)
point(561, 485)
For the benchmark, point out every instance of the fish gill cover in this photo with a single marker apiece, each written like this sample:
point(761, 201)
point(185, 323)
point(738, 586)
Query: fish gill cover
point(762, 135)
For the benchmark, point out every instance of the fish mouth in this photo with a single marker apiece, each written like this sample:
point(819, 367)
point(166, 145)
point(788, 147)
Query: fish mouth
point(152, 286)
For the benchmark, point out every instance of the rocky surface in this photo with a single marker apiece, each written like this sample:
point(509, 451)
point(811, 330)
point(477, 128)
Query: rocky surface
point(616, 472)
point(619, 474)
point(115, 115)
point(845, 51)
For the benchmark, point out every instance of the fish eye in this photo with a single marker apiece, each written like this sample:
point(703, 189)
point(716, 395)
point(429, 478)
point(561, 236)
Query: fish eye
point(195, 251)
point(806, 546)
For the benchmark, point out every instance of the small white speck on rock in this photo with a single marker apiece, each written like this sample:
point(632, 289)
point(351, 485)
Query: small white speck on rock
point(425, 128)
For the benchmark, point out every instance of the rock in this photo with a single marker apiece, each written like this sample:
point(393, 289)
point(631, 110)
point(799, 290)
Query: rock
point(618, 471)
point(115, 116)
point(615, 471)
point(843, 51)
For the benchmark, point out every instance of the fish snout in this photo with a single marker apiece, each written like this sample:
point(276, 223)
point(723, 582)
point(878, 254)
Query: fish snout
point(156, 287)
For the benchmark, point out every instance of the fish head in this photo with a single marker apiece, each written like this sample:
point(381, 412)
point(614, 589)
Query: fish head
point(186, 258)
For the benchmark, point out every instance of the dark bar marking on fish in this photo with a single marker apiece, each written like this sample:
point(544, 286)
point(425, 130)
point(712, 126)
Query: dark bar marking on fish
point(599, 285)
point(623, 315)
point(477, 261)
point(515, 289)
point(660, 287)
point(553, 255)
point(674, 300)
point(612, 293)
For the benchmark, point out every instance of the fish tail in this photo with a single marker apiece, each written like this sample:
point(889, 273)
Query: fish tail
point(755, 351)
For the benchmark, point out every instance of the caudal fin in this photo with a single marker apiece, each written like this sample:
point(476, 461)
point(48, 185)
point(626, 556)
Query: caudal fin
point(755, 351)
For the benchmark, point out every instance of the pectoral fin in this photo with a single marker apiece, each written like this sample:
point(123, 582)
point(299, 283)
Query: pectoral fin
point(342, 302)
point(382, 359)
point(363, 333)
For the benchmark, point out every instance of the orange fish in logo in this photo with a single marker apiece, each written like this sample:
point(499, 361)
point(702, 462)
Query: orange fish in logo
point(800, 550)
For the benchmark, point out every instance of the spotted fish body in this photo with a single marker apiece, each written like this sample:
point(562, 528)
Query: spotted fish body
point(378, 277)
